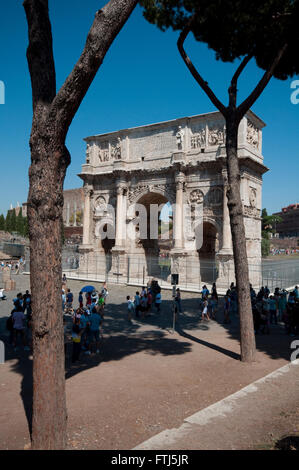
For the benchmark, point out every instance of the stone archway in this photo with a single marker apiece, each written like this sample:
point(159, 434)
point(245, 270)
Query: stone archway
point(151, 255)
point(207, 253)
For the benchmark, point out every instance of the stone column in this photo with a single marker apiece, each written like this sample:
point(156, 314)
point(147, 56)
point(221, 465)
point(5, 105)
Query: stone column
point(75, 214)
point(178, 254)
point(68, 214)
point(120, 209)
point(226, 270)
point(86, 215)
point(178, 216)
point(119, 257)
point(226, 230)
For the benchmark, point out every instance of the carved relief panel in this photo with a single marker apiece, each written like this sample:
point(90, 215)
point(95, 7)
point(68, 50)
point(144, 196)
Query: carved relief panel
point(252, 134)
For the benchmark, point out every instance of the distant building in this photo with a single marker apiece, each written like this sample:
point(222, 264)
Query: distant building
point(289, 227)
point(72, 212)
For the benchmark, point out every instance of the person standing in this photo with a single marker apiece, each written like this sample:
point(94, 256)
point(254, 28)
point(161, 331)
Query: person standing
point(227, 303)
point(69, 299)
point(80, 300)
point(158, 302)
point(94, 297)
point(137, 304)
point(214, 305)
point(214, 291)
point(63, 299)
point(2, 296)
point(27, 302)
point(104, 292)
point(282, 305)
point(273, 310)
point(143, 304)
point(76, 339)
point(18, 319)
point(130, 305)
point(88, 299)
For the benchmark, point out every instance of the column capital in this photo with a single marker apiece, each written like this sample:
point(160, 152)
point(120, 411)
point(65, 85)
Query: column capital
point(180, 180)
point(121, 189)
point(88, 190)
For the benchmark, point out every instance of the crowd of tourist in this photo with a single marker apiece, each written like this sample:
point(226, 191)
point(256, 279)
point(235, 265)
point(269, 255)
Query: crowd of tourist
point(267, 309)
point(16, 266)
point(283, 251)
point(281, 306)
point(87, 318)
point(19, 323)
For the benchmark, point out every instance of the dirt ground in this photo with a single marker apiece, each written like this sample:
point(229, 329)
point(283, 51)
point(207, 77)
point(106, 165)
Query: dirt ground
point(147, 378)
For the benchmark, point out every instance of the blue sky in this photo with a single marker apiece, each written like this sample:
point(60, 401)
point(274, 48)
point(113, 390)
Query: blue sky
point(142, 80)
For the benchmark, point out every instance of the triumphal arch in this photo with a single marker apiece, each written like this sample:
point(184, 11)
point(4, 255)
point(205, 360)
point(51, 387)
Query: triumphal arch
point(183, 163)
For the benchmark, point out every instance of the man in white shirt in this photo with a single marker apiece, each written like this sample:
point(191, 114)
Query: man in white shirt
point(2, 296)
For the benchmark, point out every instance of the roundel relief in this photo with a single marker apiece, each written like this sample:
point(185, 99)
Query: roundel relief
point(196, 197)
point(100, 206)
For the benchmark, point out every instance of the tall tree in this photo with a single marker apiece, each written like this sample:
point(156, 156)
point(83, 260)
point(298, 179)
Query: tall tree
point(8, 221)
point(13, 221)
point(2, 222)
point(247, 29)
point(20, 223)
point(53, 113)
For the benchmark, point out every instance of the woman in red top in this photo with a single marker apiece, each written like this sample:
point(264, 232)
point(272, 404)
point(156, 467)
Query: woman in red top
point(149, 301)
point(88, 299)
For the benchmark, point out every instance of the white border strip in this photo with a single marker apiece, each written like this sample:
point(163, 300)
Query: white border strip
point(202, 417)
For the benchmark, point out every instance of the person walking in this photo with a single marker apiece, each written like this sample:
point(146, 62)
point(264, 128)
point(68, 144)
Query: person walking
point(18, 319)
point(205, 313)
point(94, 331)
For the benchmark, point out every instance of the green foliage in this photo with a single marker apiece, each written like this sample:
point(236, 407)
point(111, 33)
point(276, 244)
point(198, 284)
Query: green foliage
point(269, 222)
point(8, 222)
point(15, 223)
point(79, 215)
point(258, 28)
point(265, 246)
point(2, 222)
point(20, 223)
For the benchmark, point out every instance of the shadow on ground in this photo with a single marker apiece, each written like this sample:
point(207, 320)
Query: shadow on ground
point(151, 335)
point(288, 443)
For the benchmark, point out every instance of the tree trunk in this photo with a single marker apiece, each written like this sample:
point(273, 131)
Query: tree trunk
point(45, 206)
point(235, 207)
point(52, 115)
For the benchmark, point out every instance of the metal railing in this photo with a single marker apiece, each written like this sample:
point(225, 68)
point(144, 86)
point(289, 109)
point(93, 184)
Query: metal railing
point(139, 270)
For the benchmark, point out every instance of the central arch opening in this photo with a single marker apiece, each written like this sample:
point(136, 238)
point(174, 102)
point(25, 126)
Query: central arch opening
point(154, 253)
point(207, 253)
